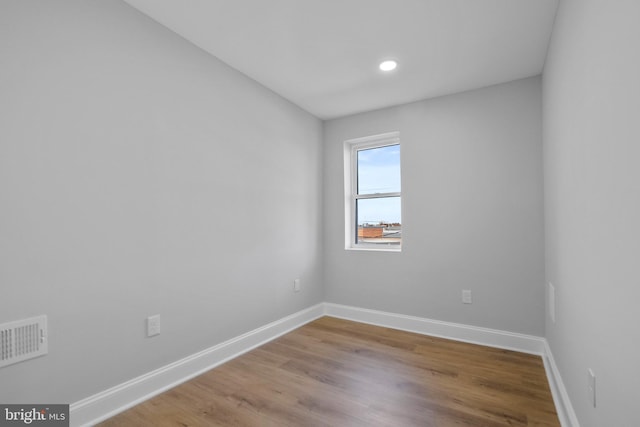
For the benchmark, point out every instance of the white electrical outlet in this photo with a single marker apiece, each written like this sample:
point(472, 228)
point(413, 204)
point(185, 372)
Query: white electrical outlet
point(153, 325)
point(591, 384)
point(466, 296)
point(296, 285)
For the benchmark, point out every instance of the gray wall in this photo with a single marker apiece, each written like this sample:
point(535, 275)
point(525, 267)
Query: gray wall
point(139, 175)
point(472, 211)
point(591, 95)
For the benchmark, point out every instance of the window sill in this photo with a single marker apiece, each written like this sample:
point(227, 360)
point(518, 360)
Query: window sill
point(373, 249)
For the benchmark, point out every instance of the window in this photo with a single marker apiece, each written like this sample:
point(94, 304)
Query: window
point(372, 193)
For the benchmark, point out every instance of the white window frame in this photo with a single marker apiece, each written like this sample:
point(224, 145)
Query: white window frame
point(351, 148)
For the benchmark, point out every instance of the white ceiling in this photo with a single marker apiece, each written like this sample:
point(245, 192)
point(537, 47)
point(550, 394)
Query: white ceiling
point(323, 54)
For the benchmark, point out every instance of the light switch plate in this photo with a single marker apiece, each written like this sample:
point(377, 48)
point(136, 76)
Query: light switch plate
point(552, 303)
point(591, 380)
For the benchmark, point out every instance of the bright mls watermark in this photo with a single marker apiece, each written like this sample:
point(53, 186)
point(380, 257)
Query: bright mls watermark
point(34, 415)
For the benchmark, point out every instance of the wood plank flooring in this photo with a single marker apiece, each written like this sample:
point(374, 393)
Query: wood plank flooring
point(333, 372)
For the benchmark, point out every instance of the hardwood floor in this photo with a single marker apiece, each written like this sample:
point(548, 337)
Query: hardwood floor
point(333, 372)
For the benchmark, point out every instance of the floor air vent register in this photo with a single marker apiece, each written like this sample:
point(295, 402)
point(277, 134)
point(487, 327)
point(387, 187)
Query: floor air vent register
point(22, 340)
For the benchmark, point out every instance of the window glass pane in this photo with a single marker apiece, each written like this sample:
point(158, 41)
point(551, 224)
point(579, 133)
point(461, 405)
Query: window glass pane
point(378, 221)
point(379, 170)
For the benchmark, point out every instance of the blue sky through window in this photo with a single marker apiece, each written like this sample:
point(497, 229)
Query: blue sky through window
point(379, 172)
point(375, 211)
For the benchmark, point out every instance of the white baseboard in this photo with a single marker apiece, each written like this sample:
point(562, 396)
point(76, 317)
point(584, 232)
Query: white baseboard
point(105, 404)
point(455, 331)
point(564, 408)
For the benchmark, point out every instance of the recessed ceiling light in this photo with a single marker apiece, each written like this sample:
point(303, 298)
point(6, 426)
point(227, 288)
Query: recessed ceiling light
point(388, 65)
